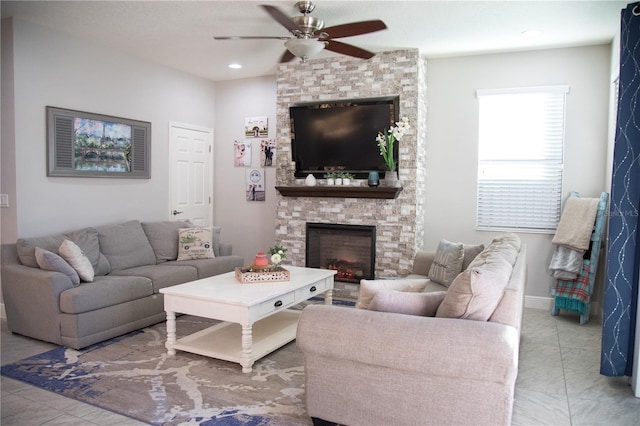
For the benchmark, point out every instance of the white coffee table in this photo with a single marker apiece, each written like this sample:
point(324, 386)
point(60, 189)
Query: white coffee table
point(256, 318)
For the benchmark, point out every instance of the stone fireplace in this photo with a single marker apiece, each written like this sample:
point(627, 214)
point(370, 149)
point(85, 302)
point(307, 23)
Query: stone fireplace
point(398, 221)
point(348, 249)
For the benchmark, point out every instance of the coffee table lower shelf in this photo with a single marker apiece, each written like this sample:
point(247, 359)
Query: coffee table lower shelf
point(224, 340)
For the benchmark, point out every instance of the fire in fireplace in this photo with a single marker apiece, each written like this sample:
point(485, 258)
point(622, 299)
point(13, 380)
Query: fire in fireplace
point(348, 249)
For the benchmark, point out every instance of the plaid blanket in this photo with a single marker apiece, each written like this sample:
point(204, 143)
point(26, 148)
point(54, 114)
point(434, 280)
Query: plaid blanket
point(576, 293)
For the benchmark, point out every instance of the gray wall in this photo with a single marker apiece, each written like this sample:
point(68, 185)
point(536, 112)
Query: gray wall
point(452, 135)
point(53, 69)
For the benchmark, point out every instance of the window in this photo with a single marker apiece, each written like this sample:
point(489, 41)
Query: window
point(520, 158)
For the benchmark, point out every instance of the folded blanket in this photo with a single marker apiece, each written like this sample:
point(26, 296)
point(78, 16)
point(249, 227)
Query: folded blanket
point(574, 290)
point(565, 263)
point(576, 224)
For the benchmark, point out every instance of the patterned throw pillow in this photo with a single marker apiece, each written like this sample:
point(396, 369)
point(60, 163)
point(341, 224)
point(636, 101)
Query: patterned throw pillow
point(195, 243)
point(447, 263)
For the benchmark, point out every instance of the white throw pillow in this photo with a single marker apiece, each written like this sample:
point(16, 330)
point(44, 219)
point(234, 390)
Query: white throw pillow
point(195, 243)
point(369, 288)
point(49, 261)
point(77, 259)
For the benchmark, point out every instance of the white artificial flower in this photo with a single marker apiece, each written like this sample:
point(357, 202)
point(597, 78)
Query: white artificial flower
point(276, 258)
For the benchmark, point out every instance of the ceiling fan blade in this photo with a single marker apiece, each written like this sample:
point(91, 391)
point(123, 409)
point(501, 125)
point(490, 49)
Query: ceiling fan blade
point(251, 38)
point(279, 16)
point(286, 57)
point(354, 28)
point(348, 49)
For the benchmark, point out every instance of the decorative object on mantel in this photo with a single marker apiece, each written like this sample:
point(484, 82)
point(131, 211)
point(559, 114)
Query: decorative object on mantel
point(373, 179)
point(385, 142)
point(339, 178)
point(310, 180)
point(391, 179)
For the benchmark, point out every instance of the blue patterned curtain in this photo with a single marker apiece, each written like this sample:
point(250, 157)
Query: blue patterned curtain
point(623, 251)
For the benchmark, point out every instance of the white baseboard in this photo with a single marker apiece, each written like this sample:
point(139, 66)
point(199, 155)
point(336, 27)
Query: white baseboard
point(537, 302)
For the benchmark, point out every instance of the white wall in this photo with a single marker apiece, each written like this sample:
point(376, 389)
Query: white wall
point(452, 135)
point(53, 69)
point(250, 225)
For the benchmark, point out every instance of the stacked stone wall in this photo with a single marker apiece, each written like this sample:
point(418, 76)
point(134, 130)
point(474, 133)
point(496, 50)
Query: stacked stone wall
point(399, 222)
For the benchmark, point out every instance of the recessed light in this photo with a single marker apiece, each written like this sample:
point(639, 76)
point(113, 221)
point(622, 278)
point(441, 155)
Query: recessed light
point(531, 33)
point(235, 66)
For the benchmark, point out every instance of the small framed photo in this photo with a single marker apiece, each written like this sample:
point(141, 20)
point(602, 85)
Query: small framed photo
point(255, 190)
point(256, 127)
point(242, 153)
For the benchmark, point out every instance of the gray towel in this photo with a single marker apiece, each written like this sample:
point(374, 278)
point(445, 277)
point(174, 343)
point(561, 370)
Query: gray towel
point(565, 263)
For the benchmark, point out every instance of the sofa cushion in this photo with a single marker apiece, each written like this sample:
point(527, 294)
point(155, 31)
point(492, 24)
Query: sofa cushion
point(125, 245)
point(447, 262)
point(195, 243)
point(104, 291)
point(505, 246)
point(408, 303)
point(26, 247)
point(470, 253)
point(476, 292)
point(369, 288)
point(160, 275)
point(163, 237)
point(49, 261)
point(210, 267)
point(87, 240)
point(77, 259)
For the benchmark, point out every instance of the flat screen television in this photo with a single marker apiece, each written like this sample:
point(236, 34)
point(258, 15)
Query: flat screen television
point(340, 135)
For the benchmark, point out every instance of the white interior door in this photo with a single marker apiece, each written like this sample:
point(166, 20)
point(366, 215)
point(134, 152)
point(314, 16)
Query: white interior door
point(191, 173)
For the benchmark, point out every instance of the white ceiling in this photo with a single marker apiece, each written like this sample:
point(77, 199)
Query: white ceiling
point(180, 34)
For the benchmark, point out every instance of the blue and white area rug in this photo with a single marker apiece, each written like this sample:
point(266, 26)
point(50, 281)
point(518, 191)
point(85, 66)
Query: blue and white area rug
point(133, 375)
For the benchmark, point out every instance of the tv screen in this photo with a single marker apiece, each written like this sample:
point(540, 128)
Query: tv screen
point(340, 135)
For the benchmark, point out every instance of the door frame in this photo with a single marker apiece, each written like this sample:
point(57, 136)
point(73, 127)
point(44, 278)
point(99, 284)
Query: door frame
point(179, 125)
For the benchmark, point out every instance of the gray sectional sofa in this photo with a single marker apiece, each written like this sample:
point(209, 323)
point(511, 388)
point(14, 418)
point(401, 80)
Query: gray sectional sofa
point(131, 262)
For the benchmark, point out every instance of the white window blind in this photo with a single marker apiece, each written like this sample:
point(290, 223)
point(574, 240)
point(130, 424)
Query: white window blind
point(520, 158)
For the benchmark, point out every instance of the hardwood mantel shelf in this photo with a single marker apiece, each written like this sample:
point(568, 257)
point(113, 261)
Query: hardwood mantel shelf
point(339, 191)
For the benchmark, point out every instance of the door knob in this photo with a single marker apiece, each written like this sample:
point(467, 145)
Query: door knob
point(176, 212)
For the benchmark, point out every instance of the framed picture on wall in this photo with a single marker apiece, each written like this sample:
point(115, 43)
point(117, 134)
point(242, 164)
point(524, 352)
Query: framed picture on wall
point(84, 144)
point(267, 152)
point(242, 153)
point(256, 127)
point(254, 189)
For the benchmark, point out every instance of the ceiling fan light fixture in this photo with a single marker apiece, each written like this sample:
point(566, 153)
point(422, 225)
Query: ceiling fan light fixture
point(304, 48)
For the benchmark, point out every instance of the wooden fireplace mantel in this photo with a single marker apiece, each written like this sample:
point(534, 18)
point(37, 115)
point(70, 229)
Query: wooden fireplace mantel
point(340, 191)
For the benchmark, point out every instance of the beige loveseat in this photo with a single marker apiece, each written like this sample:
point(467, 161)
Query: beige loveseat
point(366, 367)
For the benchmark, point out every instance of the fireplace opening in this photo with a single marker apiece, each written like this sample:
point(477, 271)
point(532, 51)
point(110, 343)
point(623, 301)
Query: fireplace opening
point(348, 249)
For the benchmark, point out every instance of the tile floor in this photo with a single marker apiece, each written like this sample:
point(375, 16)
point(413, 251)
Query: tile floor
point(558, 382)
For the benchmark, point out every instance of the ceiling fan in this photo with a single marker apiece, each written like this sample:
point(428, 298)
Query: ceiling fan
point(310, 36)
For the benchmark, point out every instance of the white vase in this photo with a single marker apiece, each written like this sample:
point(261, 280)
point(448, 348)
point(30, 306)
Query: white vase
point(391, 179)
point(310, 180)
point(346, 181)
point(331, 181)
point(338, 181)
